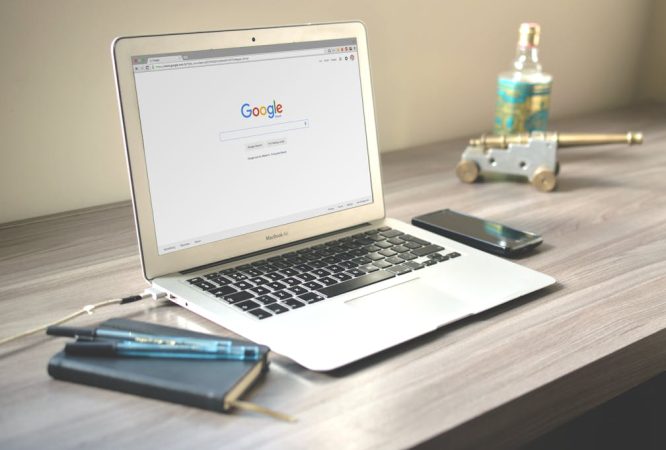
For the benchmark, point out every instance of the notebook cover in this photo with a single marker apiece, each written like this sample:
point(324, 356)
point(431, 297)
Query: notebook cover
point(199, 383)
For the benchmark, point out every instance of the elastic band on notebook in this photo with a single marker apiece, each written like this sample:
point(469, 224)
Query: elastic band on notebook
point(247, 406)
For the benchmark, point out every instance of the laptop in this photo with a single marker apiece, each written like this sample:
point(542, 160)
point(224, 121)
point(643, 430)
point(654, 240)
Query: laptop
point(257, 193)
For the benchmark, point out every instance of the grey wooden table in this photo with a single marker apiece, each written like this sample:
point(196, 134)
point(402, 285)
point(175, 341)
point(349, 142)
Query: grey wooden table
point(495, 380)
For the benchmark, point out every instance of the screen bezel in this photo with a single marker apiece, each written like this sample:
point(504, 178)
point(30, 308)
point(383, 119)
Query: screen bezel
point(155, 265)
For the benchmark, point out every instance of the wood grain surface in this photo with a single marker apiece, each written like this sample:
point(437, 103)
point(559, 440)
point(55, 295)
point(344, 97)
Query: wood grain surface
point(495, 380)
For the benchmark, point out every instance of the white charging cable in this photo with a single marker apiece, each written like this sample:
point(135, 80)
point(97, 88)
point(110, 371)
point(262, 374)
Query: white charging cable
point(88, 309)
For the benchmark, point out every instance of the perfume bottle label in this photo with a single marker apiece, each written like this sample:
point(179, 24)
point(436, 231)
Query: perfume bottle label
point(521, 106)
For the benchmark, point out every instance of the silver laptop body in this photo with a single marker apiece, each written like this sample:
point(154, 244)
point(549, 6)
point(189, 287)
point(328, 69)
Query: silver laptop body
point(256, 186)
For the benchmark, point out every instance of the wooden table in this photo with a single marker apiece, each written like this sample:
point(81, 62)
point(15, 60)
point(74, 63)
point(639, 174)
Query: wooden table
point(495, 380)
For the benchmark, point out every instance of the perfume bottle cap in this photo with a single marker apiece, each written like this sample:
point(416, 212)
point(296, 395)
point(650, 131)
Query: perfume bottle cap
point(529, 34)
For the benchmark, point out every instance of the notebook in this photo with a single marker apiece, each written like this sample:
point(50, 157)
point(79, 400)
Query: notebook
point(256, 184)
point(209, 384)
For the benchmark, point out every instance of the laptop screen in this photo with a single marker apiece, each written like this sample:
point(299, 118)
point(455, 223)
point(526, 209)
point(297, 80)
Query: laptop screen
point(240, 140)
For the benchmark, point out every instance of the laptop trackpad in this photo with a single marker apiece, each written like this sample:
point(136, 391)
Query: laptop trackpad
point(411, 301)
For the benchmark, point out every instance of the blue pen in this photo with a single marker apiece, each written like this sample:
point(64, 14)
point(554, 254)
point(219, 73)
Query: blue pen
point(131, 336)
point(149, 350)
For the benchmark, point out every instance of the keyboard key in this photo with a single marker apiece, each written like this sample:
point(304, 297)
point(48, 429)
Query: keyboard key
point(293, 303)
point(260, 290)
point(384, 244)
point(242, 285)
point(328, 281)
point(290, 272)
point(356, 283)
point(400, 270)
point(283, 295)
point(305, 277)
point(266, 299)
point(238, 276)
point(238, 297)
point(303, 268)
point(259, 280)
point(252, 272)
point(342, 276)
point(205, 285)
point(391, 233)
point(357, 273)
point(429, 262)
point(348, 264)
point(438, 257)
point(335, 268)
point(247, 305)
point(321, 273)
point(382, 264)
point(363, 241)
point(311, 297)
point(276, 285)
point(387, 252)
point(318, 264)
point(371, 248)
point(228, 271)
point(432, 248)
point(260, 313)
point(332, 260)
point(362, 261)
point(274, 276)
point(413, 265)
point(375, 256)
point(243, 267)
point(372, 232)
point(291, 281)
point(399, 249)
point(453, 255)
point(313, 285)
point(407, 256)
point(297, 290)
point(383, 228)
point(395, 260)
point(277, 308)
point(261, 262)
point(195, 280)
point(410, 238)
point(368, 268)
point(412, 245)
point(222, 291)
point(220, 280)
point(396, 241)
point(376, 237)
point(278, 265)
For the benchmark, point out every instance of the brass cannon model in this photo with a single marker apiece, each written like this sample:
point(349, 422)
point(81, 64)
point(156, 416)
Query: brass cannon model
point(532, 155)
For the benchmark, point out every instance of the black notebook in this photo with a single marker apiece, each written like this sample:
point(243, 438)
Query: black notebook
point(210, 384)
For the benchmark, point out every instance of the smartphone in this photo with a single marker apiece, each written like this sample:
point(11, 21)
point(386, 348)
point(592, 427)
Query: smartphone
point(485, 235)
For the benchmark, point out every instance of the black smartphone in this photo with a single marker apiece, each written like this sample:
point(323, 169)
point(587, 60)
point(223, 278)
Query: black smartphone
point(485, 235)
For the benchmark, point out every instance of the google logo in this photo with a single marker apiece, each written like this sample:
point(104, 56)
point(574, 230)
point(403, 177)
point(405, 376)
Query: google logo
point(248, 111)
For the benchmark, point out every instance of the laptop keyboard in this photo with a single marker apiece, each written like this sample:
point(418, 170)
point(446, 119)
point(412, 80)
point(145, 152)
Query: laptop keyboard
point(296, 279)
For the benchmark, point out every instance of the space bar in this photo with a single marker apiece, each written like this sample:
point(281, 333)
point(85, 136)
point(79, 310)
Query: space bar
point(356, 283)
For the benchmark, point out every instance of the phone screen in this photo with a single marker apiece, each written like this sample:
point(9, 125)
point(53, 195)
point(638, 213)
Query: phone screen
point(473, 227)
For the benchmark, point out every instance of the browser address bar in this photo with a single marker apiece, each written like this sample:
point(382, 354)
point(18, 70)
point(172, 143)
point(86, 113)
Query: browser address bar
point(233, 59)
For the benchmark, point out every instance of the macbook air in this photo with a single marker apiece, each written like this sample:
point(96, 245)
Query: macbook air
point(257, 193)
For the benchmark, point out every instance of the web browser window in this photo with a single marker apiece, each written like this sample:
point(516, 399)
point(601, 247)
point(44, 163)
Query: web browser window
point(240, 140)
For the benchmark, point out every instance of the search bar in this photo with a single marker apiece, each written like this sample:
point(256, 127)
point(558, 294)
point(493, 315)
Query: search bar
point(242, 133)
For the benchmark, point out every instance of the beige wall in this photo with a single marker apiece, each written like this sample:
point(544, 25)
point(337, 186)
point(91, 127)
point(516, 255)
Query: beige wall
point(653, 68)
point(434, 66)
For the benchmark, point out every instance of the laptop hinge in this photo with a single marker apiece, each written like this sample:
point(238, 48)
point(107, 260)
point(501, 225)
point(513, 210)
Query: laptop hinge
point(271, 249)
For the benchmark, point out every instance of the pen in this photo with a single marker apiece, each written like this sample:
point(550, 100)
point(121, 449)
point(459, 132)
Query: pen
point(147, 350)
point(91, 333)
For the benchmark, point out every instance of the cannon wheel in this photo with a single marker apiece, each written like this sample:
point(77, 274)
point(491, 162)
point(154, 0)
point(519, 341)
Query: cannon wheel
point(544, 180)
point(467, 171)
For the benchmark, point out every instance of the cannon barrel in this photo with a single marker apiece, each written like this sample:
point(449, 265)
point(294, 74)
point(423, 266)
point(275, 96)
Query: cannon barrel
point(562, 139)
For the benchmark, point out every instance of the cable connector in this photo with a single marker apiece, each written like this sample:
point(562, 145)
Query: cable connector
point(154, 293)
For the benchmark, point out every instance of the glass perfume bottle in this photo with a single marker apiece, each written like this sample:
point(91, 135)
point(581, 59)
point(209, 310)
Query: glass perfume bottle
point(523, 94)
